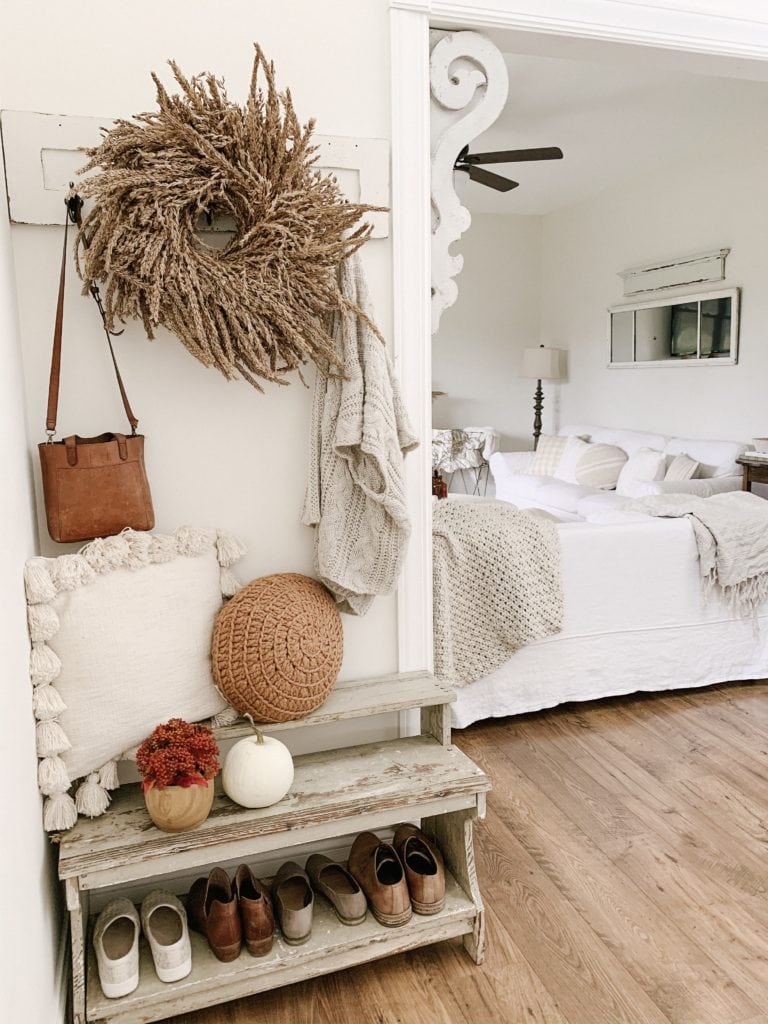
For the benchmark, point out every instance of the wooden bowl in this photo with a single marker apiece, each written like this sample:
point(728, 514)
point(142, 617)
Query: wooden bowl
point(179, 808)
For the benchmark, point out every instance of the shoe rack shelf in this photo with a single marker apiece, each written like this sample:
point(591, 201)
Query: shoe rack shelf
point(335, 793)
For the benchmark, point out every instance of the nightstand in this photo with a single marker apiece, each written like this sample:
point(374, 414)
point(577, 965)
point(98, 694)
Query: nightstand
point(754, 471)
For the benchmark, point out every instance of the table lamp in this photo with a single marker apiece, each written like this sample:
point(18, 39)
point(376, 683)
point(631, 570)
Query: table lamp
point(541, 364)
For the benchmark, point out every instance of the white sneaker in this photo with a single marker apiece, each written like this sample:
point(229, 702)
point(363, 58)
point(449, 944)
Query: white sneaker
point(164, 921)
point(116, 941)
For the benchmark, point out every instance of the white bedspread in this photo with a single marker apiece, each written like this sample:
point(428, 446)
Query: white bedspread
point(635, 619)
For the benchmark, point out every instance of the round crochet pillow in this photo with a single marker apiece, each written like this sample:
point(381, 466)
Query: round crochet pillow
point(277, 647)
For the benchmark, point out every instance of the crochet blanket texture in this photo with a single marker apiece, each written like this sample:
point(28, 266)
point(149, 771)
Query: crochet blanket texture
point(731, 531)
point(355, 495)
point(497, 585)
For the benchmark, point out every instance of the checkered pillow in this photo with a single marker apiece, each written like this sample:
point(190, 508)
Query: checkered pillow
point(547, 456)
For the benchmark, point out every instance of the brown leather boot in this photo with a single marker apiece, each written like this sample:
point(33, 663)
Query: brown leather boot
point(378, 871)
point(212, 910)
point(424, 869)
point(256, 915)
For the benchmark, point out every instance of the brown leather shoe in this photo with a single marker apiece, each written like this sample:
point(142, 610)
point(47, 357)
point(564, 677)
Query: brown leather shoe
point(377, 869)
point(212, 910)
point(294, 902)
point(339, 888)
point(424, 869)
point(256, 914)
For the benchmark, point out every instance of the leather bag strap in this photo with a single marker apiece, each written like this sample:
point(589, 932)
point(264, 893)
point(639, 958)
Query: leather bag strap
point(74, 206)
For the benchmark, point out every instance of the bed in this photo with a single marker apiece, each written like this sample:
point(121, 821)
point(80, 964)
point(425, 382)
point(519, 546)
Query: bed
point(636, 619)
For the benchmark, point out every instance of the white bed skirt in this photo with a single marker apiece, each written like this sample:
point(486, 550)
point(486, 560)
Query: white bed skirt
point(636, 619)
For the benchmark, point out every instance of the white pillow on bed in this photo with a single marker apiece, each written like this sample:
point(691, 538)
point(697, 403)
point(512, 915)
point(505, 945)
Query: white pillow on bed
point(643, 467)
point(547, 456)
point(574, 449)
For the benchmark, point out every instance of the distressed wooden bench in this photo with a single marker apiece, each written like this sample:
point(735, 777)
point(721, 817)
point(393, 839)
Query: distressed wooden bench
point(335, 793)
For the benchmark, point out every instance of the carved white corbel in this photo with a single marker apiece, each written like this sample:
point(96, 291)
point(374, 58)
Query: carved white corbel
point(469, 85)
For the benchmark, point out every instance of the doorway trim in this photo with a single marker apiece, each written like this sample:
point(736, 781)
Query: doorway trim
point(680, 25)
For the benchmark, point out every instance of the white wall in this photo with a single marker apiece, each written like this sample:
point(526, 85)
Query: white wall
point(551, 279)
point(718, 200)
point(476, 353)
point(29, 939)
point(218, 453)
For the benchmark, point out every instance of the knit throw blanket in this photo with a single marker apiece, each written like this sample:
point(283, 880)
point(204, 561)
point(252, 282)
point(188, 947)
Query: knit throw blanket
point(731, 531)
point(497, 585)
point(355, 494)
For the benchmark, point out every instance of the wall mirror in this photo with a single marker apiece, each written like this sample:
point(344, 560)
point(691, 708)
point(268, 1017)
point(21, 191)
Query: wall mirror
point(700, 329)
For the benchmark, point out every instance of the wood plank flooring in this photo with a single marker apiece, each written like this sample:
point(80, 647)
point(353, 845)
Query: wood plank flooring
point(624, 867)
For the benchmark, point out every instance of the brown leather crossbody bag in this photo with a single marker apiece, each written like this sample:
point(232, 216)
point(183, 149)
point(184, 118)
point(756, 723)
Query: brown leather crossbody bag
point(93, 486)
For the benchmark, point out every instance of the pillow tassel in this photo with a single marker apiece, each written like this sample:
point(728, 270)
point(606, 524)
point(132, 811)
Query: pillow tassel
point(52, 776)
point(228, 716)
point(51, 739)
point(229, 549)
point(162, 548)
point(230, 584)
point(108, 777)
point(92, 799)
point(71, 571)
point(59, 812)
point(44, 664)
point(43, 622)
point(47, 702)
point(38, 584)
point(190, 541)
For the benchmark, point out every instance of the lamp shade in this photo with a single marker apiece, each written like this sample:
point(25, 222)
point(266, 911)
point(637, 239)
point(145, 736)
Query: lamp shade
point(542, 363)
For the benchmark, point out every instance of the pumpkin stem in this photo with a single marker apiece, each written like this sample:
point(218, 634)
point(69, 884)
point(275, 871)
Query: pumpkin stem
point(259, 733)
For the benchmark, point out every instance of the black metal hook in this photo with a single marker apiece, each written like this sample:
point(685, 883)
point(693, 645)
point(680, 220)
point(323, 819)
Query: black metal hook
point(74, 204)
point(97, 299)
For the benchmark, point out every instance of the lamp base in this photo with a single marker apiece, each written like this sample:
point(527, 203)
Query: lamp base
point(538, 402)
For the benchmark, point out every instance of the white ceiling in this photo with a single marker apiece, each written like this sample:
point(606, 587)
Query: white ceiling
point(615, 121)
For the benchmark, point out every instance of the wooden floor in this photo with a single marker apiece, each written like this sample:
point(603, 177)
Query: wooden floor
point(624, 867)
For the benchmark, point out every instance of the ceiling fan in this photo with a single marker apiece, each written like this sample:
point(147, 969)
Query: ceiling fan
point(469, 162)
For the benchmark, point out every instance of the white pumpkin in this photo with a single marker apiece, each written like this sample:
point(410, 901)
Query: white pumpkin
point(258, 771)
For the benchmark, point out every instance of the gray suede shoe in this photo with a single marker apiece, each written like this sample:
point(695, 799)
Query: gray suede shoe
point(334, 882)
point(293, 902)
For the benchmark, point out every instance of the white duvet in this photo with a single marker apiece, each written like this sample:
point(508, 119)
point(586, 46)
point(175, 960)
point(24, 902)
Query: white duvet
point(636, 618)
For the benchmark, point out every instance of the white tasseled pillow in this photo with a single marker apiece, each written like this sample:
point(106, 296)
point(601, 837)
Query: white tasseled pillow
point(121, 641)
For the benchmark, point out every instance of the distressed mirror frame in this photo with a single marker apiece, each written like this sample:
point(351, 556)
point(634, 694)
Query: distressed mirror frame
point(675, 300)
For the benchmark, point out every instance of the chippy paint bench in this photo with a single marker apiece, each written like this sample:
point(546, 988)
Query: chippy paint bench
point(335, 793)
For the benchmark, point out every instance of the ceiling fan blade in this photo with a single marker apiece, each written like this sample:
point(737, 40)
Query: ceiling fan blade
point(511, 156)
point(490, 179)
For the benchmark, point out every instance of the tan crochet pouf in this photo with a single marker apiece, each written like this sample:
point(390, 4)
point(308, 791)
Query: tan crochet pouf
point(277, 647)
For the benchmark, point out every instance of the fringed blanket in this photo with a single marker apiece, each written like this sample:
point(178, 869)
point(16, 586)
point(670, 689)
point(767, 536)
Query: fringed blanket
point(497, 585)
point(731, 531)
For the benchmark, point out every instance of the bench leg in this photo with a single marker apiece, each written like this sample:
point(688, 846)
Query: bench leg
point(77, 936)
point(453, 834)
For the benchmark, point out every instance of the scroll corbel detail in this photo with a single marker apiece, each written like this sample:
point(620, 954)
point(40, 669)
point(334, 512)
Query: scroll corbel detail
point(469, 86)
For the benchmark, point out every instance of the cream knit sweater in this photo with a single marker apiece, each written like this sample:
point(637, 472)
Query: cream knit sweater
point(355, 494)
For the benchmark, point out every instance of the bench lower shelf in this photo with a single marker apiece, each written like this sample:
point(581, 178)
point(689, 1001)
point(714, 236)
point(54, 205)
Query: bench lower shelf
point(331, 947)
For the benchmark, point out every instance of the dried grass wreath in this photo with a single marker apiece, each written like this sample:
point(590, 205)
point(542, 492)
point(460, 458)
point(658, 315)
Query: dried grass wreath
point(259, 307)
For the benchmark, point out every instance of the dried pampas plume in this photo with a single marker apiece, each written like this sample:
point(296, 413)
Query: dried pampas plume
point(259, 307)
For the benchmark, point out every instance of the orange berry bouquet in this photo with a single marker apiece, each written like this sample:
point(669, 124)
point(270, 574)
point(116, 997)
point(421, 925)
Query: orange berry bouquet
point(178, 754)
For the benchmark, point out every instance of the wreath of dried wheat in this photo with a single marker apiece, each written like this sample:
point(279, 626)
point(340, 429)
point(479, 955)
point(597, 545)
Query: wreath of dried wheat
point(258, 307)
